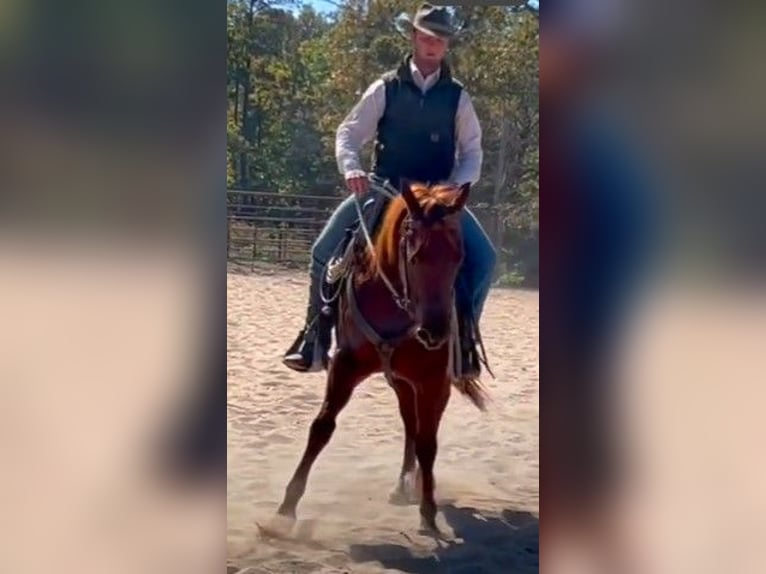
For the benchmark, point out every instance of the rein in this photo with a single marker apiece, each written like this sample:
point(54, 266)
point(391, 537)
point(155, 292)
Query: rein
point(385, 347)
point(402, 300)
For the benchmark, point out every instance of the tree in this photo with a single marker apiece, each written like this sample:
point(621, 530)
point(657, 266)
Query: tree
point(293, 74)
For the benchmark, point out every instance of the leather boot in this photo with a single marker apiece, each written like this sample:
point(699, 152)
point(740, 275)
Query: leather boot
point(308, 353)
point(470, 367)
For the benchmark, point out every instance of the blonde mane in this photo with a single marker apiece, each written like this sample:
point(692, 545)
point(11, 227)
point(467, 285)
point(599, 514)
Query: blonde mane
point(386, 245)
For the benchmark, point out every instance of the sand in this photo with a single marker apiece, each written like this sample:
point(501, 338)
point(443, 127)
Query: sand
point(486, 469)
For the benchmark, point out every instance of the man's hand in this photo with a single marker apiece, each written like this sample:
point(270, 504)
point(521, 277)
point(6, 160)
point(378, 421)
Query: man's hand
point(357, 184)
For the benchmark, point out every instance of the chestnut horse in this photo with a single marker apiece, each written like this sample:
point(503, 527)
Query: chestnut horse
point(395, 314)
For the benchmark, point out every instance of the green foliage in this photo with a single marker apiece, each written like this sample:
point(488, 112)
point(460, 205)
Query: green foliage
point(510, 279)
point(294, 74)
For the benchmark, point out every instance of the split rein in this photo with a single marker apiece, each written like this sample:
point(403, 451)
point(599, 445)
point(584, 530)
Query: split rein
point(402, 300)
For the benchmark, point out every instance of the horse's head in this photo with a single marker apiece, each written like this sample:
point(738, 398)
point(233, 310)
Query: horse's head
point(431, 255)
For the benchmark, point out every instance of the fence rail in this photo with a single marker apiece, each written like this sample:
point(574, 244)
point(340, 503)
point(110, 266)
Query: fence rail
point(274, 227)
point(281, 228)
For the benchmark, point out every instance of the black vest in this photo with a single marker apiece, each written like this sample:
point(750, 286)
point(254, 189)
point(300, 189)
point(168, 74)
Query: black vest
point(416, 135)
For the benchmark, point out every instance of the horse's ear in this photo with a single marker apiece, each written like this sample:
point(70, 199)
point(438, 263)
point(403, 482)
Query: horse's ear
point(413, 206)
point(462, 198)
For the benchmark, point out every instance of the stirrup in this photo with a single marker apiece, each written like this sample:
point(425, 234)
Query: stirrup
point(299, 340)
point(470, 364)
point(476, 345)
point(297, 363)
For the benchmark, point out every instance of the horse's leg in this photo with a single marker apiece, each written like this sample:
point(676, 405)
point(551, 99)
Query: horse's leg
point(431, 402)
point(406, 395)
point(343, 376)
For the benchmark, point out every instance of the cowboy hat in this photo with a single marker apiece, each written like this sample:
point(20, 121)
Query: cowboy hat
point(430, 19)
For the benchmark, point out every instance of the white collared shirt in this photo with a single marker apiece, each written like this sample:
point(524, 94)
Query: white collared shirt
point(424, 83)
point(360, 126)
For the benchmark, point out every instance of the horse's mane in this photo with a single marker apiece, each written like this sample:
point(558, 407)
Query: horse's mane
point(386, 246)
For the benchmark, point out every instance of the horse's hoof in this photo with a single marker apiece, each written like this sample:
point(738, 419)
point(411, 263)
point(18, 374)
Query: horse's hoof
point(400, 497)
point(428, 513)
point(406, 492)
point(280, 526)
point(286, 511)
point(428, 527)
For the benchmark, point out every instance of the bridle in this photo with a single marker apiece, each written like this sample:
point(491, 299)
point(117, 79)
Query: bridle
point(402, 300)
point(386, 347)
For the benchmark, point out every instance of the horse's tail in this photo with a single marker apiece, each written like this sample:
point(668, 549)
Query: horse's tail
point(474, 391)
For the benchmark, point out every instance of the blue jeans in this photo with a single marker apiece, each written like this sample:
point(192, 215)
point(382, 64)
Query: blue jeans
point(475, 275)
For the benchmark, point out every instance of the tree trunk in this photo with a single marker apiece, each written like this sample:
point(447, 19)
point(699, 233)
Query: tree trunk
point(236, 98)
point(500, 178)
point(244, 128)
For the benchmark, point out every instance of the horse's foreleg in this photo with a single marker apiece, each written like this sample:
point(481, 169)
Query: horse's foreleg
point(406, 396)
point(431, 403)
point(343, 376)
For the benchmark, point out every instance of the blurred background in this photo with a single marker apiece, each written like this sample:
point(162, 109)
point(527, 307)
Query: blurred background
point(652, 307)
point(112, 392)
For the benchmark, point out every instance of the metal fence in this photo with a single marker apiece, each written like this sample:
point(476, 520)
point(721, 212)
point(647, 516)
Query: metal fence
point(275, 227)
point(278, 228)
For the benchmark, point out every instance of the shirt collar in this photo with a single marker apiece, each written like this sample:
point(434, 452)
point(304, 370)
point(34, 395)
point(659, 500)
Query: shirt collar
point(420, 81)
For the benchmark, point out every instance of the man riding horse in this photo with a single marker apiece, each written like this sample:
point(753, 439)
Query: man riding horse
point(425, 130)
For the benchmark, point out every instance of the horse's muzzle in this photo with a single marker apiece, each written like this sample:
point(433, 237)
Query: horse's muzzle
point(429, 340)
